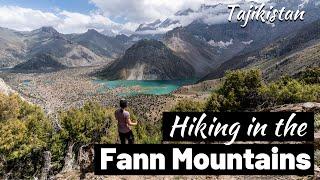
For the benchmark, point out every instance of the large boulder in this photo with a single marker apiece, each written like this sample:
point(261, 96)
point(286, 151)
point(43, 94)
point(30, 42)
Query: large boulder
point(302, 107)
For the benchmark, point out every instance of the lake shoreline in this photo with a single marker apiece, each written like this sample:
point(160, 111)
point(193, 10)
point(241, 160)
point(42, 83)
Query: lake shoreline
point(144, 87)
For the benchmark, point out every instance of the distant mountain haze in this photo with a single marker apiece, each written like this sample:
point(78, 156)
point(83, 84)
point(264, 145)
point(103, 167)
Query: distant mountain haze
point(90, 48)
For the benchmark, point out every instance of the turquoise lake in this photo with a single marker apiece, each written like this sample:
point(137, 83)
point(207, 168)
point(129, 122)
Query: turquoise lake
point(153, 87)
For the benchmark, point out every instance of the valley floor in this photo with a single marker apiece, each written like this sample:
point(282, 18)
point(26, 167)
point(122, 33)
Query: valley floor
point(73, 87)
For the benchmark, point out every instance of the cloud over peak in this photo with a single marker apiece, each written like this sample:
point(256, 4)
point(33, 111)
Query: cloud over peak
point(26, 19)
point(120, 16)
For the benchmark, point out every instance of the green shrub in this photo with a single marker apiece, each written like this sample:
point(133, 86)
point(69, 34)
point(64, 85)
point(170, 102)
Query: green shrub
point(96, 124)
point(148, 133)
point(111, 136)
point(288, 91)
point(213, 104)
point(240, 90)
point(25, 133)
point(188, 105)
point(311, 76)
point(246, 91)
point(85, 125)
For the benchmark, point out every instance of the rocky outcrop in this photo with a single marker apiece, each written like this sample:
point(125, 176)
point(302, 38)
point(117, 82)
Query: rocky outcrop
point(78, 157)
point(70, 159)
point(79, 168)
point(316, 173)
point(302, 107)
point(85, 158)
point(46, 166)
point(4, 88)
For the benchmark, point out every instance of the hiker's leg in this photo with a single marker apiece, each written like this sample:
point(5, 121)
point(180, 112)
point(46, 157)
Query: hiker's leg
point(122, 138)
point(130, 138)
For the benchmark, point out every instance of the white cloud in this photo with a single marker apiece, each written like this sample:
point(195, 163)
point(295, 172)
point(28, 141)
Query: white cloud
point(131, 13)
point(71, 22)
point(25, 19)
point(141, 11)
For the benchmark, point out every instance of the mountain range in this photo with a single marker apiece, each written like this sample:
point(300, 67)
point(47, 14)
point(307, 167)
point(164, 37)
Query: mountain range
point(217, 14)
point(195, 43)
point(73, 50)
point(288, 55)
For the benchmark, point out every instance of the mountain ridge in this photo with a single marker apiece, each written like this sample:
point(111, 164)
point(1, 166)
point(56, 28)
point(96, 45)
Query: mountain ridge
point(41, 63)
point(72, 50)
point(286, 56)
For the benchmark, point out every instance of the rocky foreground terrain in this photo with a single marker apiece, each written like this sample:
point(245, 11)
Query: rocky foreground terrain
point(86, 154)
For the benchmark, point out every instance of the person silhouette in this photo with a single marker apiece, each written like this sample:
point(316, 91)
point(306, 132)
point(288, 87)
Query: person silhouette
point(124, 123)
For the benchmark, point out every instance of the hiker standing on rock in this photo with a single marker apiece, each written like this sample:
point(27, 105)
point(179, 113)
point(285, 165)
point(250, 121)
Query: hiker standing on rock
point(124, 123)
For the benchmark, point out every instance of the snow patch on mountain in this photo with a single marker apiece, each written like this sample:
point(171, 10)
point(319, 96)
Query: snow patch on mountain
point(247, 42)
point(221, 44)
point(210, 14)
point(304, 2)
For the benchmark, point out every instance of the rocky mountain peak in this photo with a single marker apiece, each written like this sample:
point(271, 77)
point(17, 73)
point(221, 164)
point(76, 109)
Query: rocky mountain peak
point(92, 32)
point(149, 60)
point(149, 26)
point(184, 12)
point(48, 30)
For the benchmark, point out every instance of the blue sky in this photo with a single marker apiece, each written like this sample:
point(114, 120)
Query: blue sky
point(82, 6)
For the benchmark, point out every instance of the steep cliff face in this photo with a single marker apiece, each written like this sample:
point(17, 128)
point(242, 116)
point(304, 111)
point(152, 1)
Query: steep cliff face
point(149, 60)
point(12, 48)
point(197, 53)
point(4, 88)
